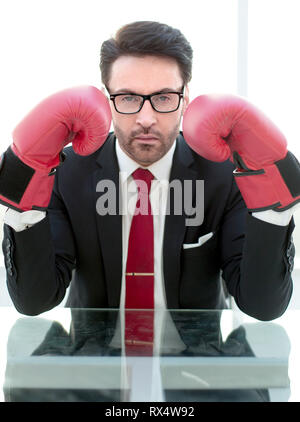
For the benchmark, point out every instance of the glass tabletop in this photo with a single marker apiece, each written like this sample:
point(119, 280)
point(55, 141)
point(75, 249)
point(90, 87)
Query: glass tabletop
point(105, 355)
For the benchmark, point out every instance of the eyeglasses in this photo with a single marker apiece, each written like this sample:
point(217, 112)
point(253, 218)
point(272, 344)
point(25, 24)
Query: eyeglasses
point(162, 102)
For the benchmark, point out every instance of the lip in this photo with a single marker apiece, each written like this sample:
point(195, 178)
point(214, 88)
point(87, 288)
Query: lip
point(146, 138)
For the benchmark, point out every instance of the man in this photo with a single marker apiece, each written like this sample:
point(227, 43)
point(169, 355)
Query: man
point(184, 261)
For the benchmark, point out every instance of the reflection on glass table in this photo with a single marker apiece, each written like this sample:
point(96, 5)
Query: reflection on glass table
point(195, 356)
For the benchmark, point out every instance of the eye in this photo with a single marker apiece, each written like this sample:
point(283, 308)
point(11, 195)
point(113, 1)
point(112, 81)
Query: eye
point(163, 98)
point(129, 98)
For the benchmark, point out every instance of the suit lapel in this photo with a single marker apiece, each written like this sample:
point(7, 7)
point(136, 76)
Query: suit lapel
point(109, 225)
point(175, 223)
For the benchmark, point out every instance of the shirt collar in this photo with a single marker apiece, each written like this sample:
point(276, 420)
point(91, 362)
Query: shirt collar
point(160, 169)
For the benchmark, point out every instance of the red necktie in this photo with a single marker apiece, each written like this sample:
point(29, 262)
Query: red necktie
point(140, 271)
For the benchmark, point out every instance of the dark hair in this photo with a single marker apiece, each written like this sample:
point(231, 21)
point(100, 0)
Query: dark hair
point(143, 38)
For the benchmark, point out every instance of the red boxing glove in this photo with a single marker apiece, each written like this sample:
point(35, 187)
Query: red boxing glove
point(219, 127)
point(80, 115)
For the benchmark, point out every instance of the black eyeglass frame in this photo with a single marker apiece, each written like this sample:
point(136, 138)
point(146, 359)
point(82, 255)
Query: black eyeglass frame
point(147, 97)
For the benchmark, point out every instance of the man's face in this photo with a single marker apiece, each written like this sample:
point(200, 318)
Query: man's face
point(147, 135)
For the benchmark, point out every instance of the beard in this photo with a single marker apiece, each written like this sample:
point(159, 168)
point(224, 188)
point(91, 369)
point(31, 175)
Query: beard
point(146, 153)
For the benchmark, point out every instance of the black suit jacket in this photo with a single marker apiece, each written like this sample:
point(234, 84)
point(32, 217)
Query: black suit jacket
point(253, 259)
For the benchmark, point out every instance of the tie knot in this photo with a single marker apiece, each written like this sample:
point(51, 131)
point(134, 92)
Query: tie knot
point(144, 175)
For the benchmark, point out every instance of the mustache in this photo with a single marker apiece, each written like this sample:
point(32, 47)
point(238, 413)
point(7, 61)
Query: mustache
point(145, 131)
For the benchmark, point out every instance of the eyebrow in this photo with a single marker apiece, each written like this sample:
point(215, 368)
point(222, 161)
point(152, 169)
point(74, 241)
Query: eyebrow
point(131, 91)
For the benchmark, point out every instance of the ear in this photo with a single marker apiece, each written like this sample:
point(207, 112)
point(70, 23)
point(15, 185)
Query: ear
point(186, 98)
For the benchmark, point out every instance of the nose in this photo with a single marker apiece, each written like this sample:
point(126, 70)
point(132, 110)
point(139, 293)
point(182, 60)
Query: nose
point(147, 116)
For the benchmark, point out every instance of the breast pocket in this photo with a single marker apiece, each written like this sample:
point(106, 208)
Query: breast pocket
point(200, 283)
point(201, 240)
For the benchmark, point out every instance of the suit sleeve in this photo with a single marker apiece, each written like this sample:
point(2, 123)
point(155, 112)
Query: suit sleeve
point(257, 260)
point(39, 261)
